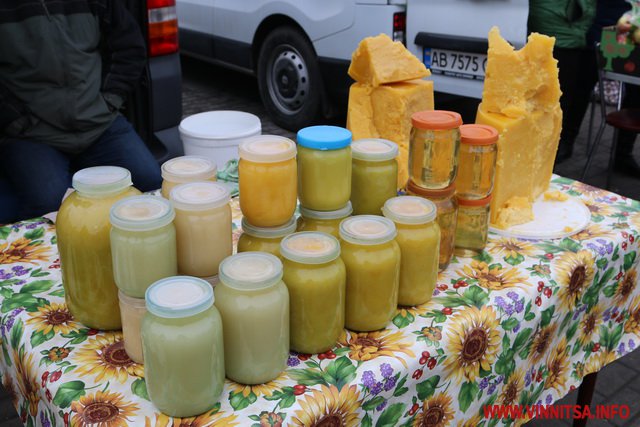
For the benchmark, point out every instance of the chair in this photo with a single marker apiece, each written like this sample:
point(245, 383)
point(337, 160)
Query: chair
point(622, 119)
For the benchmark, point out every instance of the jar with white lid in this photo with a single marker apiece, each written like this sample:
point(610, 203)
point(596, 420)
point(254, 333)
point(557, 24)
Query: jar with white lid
point(324, 221)
point(374, 175)
point(143, 243)
point(315, 277)
point(372, 258)
point(264, 239)
point(203, 227)
point(185, 169)
point(254, 305)
point(419, 241)
point(82, 230)
point(183, 348)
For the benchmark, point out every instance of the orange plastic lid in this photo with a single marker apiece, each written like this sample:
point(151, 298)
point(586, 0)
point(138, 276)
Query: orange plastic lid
point(436, 119)
point(474, 202)
point(474, 134)
point(431, 194)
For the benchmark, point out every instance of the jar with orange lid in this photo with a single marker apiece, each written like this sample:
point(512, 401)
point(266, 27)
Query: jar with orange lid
point(447, 206)
point(433, 148)
point(472, 226)
point(477, 161)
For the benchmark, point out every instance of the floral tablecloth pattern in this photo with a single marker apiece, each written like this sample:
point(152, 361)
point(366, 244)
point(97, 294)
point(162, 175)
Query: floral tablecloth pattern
point(522, 323)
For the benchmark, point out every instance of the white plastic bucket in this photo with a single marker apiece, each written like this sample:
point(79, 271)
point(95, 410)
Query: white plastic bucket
point(217, 134)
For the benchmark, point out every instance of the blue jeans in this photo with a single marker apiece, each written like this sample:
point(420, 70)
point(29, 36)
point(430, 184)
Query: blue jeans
point(39, 175)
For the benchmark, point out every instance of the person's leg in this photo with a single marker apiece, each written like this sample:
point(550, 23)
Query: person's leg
point(121, 146)
point(37, 174)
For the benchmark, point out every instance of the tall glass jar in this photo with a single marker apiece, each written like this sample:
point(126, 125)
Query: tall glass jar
point(132, 311)
point(433, 149)
point(324, 167)
point(183, 348)
point(372, 258)
point(268, 174)
point(419, 241)
point(82, 229)
point(324, 221)
point(203, 227)
point(254, 304)
point(185, 169)
point(264, 239)
point(447, 217)
point(143, 243)
point(374, 175)
point(315, 276)
point(473, 226)
point(477, 163)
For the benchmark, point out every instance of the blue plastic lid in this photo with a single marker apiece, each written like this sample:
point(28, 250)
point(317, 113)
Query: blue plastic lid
point(324, 137)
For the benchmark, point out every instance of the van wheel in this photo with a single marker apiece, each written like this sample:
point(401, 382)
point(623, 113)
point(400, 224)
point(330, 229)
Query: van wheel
point(289, 79)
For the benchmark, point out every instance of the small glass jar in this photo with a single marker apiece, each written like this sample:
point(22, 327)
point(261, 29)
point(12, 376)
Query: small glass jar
point(267, 174)
point(263, 239)
point(254, 304)
point(315, 277)
point(372, 258)
point(477, 162)
point(203, 227)
point(419, 241)
point(473, 226)
point(143, 243)
point(132, 310)
point(433, 148)
point(183, 348)
point(185, 169)
point(447, 217)
point(82, 230)
point(324, 167)
point(326, 222)
point(374, 175)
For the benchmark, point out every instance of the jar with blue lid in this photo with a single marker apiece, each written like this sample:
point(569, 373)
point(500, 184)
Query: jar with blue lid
point(324, 167)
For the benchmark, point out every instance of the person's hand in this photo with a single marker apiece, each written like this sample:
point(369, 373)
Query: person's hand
point(624, 24)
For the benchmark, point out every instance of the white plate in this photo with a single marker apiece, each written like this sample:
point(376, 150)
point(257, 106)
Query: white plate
point(552, 220)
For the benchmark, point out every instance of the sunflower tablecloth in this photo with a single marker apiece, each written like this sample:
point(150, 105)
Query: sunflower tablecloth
point(522, 323)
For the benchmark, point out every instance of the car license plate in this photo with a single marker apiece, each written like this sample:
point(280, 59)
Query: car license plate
point(455, 64)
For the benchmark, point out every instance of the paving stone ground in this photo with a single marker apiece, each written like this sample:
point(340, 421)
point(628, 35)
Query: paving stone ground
point(207, 87)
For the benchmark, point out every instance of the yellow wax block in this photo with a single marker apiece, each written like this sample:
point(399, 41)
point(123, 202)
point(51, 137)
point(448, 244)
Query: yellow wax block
point(379, 60)
point(555, 196)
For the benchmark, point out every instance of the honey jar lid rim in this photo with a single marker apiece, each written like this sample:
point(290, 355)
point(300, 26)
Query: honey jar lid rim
point(160, 213)
point(206, 169)
point(341, 213)
point(248, 149)
point(101, 180)
point(350, 233)
point(269, 232)
point(474, 202)
point(327, 248)
point(254, 271)
point(430, 193)
point(428, 214)
point(220, 197)
point(324, 138)
point(436, 120)
point(478, 134)
point(186, 296)
point(357, 151)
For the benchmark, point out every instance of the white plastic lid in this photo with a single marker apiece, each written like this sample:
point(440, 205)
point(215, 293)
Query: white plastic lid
point(270, 232)
point(410, 210)
point(327, 215)
point(179, 296)
point(224, 124)
point(367, 230)
point(310, 247)
point(101, 180)
point(199, 196)
point(374, 149)
point(267, 149)
point(249, 271)
point(188, 169)
point(141, 213)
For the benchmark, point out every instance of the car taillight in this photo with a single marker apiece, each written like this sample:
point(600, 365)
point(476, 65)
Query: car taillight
point(400, 27)
point(163, 27)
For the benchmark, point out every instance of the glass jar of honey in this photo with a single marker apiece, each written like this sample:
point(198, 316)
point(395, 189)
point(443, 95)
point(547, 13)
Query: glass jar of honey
point(185, 169)
point(325, 221)
point(374, 175)
point(264, 239)
point(477, 162)
point(472, 226)
point(433, 148)
point(447, 216)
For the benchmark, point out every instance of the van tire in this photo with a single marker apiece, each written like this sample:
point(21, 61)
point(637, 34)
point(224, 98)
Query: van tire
point(289, 79)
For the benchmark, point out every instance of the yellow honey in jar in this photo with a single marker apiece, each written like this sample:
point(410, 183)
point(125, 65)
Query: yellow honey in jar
point(472, 226)
point(477, 162)
point(324, 221)
point(185, 169)
point(374, 176)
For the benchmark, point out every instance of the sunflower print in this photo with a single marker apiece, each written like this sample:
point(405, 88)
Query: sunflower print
point(574, 273)
point(626, 286)
point(102, 409)
point(22, 250)
point(510, 247)
point(597, 209)
point(104, 358)
point(7, 384)
point(371, 345)
point(598, 361)
point(589, 325)
point(329, 407)
point(540, 343)
point(213, 418)
point(474, 421)
point(474, 341)
point(27, 380)
point(635, 220)
point(415, 311)
point(558, 367)
point(632, 325)
point(436, 412)
point(265, 389)
point(53, 317)
point(495, 278)
point(593, 231)
point(512, 389)
point(588, 190)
